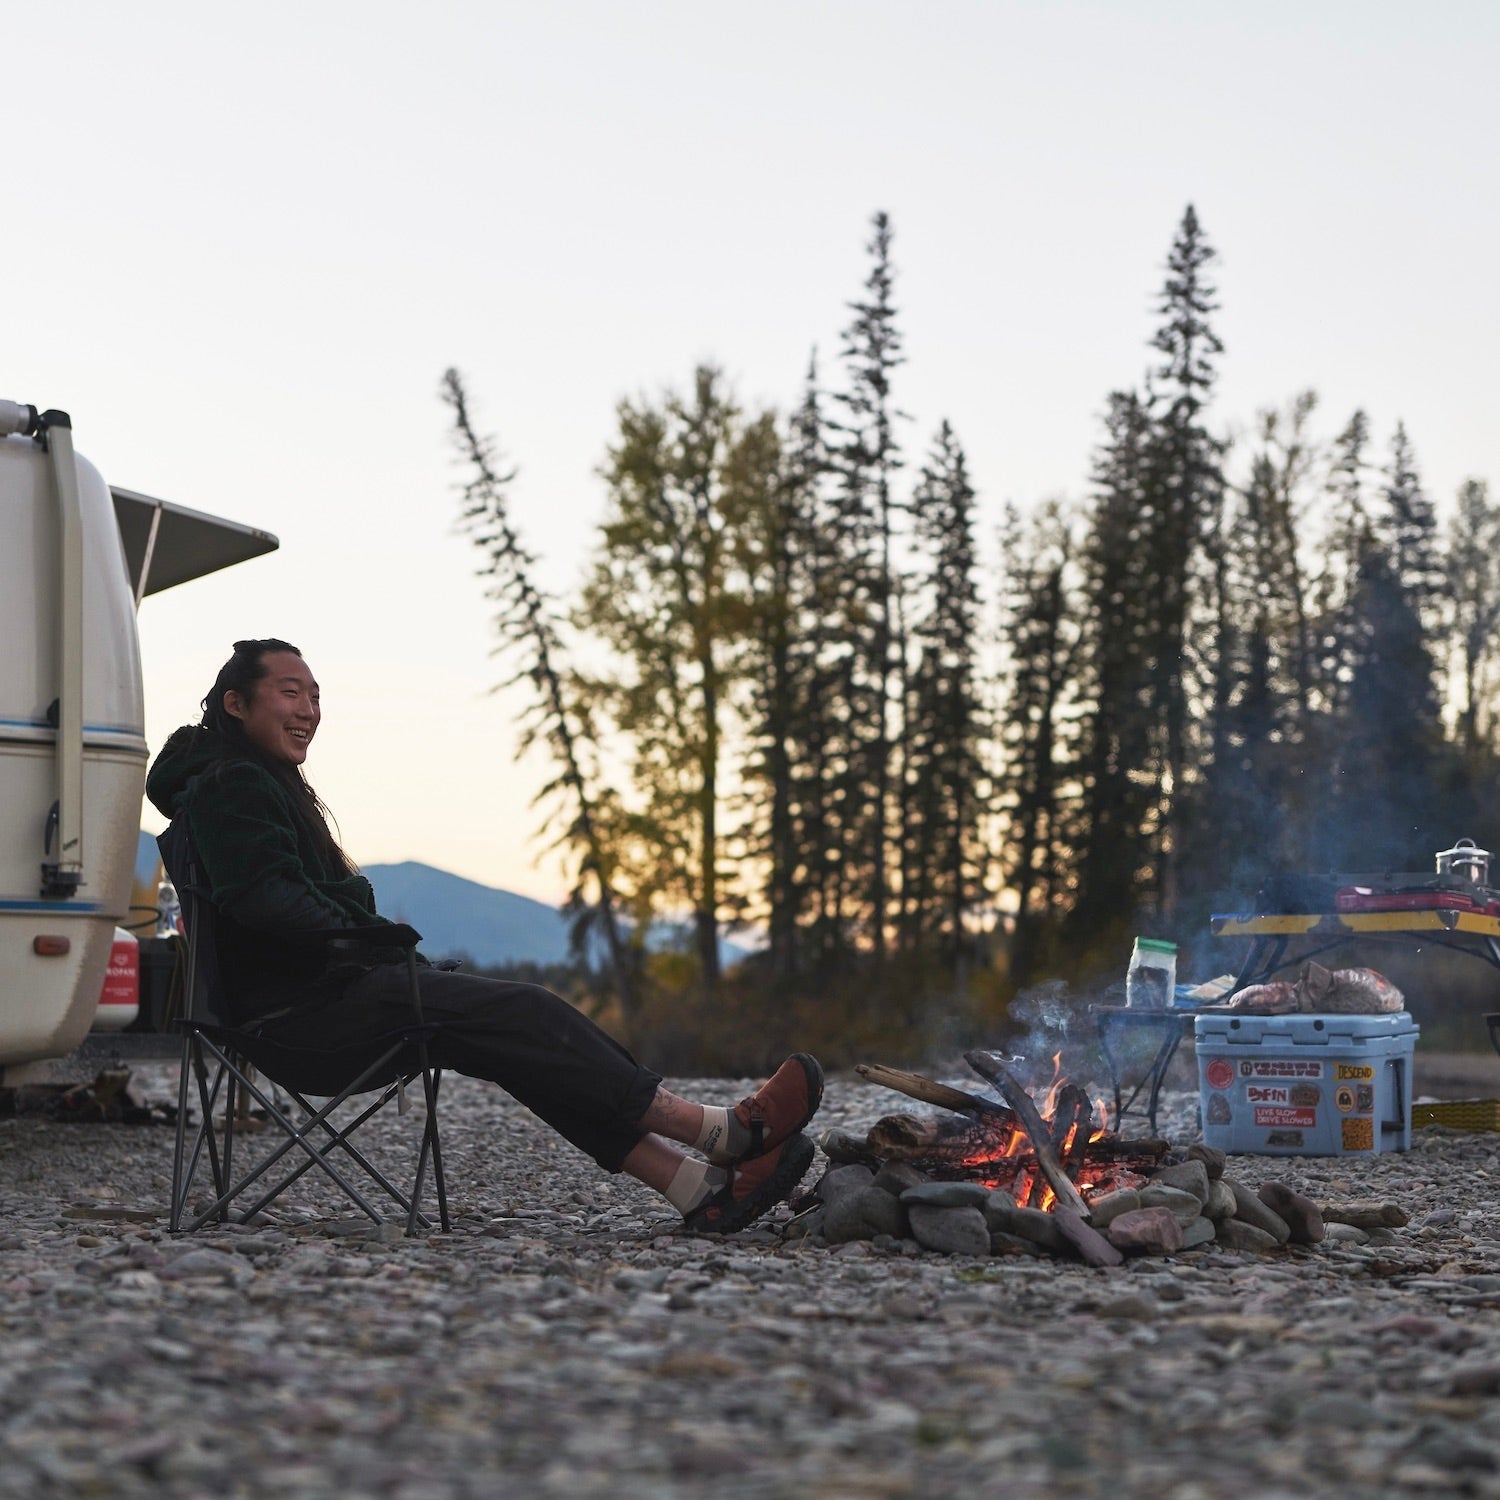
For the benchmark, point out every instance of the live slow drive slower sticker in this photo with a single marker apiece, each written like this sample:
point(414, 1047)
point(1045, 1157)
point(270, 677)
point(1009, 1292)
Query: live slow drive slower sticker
point(1271, 1114)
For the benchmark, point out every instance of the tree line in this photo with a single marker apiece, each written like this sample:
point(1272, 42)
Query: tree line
point(787, 697)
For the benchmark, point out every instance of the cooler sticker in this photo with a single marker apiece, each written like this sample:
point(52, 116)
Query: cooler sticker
point(1274, 1115)
point(1219, 1073)
point(1281, 1067)
point(1219, 1112)
point(1343, 1098)
point(1364, 1097)
point(1267, 1093)
point(1359, 1135)
point(1284, 1138)
point(1308, 1095)
point(1354, 1071)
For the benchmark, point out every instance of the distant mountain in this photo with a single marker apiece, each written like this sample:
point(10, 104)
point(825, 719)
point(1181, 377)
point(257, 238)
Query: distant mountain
point(460, 918)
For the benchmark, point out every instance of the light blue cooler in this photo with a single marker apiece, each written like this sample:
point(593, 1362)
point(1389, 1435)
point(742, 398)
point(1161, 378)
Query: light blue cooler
point(1305, 1085)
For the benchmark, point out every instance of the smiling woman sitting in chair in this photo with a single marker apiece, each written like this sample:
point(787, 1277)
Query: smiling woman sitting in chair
point(277, 875)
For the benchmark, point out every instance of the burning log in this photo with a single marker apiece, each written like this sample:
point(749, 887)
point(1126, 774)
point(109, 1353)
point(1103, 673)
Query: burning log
point(1067, 1136)
point(939, 1139)
point(929, 1091)
point(992, 1070)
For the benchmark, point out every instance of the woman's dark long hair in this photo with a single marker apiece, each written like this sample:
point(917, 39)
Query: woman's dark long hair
point(243, 674)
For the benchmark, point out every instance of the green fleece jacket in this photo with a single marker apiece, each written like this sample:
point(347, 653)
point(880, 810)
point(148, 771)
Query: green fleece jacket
point(270, 883)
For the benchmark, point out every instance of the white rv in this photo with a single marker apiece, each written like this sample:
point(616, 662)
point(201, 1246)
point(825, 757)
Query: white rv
point(77, 556)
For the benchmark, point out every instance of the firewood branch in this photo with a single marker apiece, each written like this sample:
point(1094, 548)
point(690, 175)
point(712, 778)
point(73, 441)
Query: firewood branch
point(992, 1070)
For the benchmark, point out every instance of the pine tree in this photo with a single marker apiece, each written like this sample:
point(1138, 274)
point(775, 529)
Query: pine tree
point(1346, 542)
point(1241, 817)
point(793, 719)
point(941, 875)
point(869, 458)
point(1473, 584)
point(528, 630)
point(666, 596)
point(1040, 637)
point(1409, 529)
point(1185, 491)
point(1118, 742)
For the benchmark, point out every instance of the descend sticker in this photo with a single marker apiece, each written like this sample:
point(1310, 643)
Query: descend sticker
point(1281, 1067)
point(1359, 1135)
point(1354, 1071)
point(1272, 1115)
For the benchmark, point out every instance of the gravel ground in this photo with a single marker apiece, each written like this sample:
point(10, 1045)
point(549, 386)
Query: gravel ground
point(566, 1340)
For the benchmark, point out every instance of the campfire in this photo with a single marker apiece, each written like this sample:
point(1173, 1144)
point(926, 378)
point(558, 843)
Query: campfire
point(1011, 1176)
point(1060, 1152)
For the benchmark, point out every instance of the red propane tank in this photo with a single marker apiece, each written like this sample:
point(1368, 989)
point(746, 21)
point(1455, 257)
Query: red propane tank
point(120, 999)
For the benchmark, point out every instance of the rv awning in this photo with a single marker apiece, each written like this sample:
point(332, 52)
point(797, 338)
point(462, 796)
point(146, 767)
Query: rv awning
point(168, 544)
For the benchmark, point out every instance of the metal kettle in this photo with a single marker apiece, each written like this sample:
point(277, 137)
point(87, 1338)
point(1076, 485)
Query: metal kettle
point(1465, 861)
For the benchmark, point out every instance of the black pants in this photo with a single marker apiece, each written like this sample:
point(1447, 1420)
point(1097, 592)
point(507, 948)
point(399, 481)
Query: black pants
point(536, 1046)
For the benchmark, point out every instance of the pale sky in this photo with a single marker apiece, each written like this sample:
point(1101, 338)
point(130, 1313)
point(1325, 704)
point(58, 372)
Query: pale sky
point(242, 244)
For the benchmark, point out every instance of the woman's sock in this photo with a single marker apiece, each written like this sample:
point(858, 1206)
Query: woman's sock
point(696, 1181)
point(722, 1138)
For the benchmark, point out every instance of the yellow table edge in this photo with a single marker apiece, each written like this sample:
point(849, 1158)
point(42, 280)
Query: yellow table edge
point(1354, 922)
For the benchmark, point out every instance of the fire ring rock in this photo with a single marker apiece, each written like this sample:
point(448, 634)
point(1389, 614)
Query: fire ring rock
point(1002, 1215)
point(1181, 1204)
point(1190, 1176)
point(1108, 1207)
point(1220, 1203)
point(1236, 1234)
point(1199, 1232)
point(1303, 1217)
point(863, 1212)
point(1211, 1157)
point(840, 1180)
point(946, 1195)
point(1086, 1240)
point(1250, 1209)
point(951, 1231)
point(1146, 1231)
point(895, 1177)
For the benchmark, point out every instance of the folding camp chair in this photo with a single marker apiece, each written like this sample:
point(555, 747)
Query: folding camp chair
point(223, 1060)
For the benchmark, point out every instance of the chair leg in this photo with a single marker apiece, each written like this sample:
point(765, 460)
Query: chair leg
point(179, 1187)
point(431, 1143)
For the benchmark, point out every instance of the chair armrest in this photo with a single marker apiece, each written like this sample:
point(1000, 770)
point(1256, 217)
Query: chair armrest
point(384, 935)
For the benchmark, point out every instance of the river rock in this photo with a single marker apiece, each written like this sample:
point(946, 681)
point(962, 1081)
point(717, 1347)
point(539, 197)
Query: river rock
point(950, 1231)
point(1302, 1215)
point(1191, 1176)
point(1249, 1208)
point(861, 1213)
point(1147, 1231)
point(1366, 1215)
point(206, 1264)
